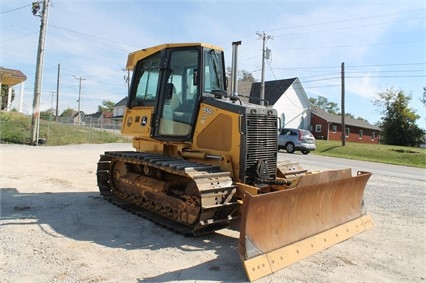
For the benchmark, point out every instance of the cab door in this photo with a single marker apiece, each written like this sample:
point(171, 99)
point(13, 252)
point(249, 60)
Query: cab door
point(179, 95)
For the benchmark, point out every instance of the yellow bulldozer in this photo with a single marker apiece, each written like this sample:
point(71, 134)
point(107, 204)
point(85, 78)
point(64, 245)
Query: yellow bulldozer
point(204, 158)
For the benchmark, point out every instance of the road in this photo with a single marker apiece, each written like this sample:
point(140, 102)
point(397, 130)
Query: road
point(316, 162)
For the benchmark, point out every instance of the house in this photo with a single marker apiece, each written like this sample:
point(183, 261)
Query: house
point(100, 119)
point(329, 127)
point(78, 117)
point(289, 99)
point(119, 108)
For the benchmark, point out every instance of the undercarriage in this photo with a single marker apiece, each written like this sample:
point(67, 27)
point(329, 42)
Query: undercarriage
point(185, 196)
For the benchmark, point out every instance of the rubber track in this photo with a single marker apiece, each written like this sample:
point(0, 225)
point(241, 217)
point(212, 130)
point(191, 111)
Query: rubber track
point(170, 164)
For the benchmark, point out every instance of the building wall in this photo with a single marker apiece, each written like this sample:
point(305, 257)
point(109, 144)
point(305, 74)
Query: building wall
point(322, 134)
point(356, 134)
point(292, 110)
point(119, 111)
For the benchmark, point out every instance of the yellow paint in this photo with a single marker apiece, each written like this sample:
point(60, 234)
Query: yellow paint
point(134, 57)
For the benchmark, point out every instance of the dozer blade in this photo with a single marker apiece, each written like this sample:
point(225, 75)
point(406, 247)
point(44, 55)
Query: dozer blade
point(281, 228)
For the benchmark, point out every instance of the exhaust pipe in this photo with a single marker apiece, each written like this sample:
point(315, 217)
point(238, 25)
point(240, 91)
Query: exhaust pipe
point(234, 73)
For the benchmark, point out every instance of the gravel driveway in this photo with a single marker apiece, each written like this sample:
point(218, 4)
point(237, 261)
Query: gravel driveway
point(56, 228)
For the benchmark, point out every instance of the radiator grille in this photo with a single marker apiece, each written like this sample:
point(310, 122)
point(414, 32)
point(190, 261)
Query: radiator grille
point(261, 139)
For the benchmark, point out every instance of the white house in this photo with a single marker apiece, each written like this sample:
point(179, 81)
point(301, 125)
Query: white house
point(289, 99)
point(119, 108)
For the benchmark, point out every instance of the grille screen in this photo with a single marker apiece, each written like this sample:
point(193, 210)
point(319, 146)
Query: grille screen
point(261, 144)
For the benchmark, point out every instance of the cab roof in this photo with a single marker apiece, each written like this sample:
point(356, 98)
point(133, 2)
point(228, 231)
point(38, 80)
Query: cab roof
point(135, 56)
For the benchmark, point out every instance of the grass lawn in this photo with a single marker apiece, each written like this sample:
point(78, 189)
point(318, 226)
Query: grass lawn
point(390, 154)
point(16, 128)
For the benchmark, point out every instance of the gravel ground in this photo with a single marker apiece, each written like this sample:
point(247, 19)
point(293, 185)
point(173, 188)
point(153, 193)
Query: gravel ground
point(56, 228)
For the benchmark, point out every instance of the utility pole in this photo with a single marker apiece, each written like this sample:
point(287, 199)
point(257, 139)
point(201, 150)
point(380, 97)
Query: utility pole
point(51, 106)
point(343, 105)
point(35, 121)
point(79, 98)
point(57, 92)
point(264, 38)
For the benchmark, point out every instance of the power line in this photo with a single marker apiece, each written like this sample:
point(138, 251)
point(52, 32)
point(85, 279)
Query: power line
point(282, 88)
point(322, 86)
point(325, 79)
point(367, 76)
point(353, 66)
point(399, 76)
point(347, 20)
point(87, 35)
point(12, 10)
point(386, 65)
point(18, 37)
point(387, 71)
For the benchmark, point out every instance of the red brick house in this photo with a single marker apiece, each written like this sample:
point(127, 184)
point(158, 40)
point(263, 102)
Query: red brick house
point(329, 127)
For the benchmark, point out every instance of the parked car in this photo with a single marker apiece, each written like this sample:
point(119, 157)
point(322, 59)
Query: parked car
point(296, 139)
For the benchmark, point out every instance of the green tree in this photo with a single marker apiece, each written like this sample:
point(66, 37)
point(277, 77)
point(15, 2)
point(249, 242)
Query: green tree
point(243, 75)
point(48, 114)
point(362, 119)
point(107, 105)
point(246, 76)
point(323, 103)
point(423, 99)
point(67, 112)
point(398, 122)
point(4, 96)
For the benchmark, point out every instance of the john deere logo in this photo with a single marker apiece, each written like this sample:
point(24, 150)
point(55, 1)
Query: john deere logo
point(144, 121)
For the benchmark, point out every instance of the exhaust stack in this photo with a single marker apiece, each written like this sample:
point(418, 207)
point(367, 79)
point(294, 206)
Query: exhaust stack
point(234, 73)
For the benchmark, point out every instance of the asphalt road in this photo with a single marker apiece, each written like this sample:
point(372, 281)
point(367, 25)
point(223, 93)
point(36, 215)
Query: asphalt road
point(316, 162)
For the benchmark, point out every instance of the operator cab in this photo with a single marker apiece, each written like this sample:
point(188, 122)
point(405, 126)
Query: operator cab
point(170, 80)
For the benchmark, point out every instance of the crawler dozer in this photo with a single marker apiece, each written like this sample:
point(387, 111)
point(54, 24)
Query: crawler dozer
point(203, 158)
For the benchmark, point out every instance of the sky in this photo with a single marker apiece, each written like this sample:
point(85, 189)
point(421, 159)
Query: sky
point(381, 43)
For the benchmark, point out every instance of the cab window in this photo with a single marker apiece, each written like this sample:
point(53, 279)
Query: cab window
point(147, 81)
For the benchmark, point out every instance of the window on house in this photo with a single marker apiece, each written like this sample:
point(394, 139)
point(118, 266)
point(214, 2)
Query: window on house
point(347, 132)
point(334, 129)
point(373, 136)
point(318, 128)
point(360, 134)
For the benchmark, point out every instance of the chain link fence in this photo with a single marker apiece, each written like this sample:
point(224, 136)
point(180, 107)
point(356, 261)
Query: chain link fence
point(88, 130)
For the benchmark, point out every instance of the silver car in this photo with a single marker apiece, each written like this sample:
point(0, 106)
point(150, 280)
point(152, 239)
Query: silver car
point(296, 139)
